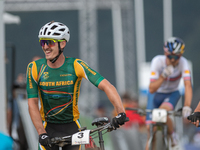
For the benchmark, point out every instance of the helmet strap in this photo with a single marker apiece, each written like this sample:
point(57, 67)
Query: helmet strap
point(60, 51)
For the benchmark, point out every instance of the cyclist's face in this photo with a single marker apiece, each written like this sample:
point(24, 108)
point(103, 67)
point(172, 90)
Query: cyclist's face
point(173, 59)
point(50, 51)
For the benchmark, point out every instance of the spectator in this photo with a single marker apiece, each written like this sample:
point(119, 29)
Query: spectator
point(135, 119)
point(101, 110)
point(14, 124)
point(6, 142)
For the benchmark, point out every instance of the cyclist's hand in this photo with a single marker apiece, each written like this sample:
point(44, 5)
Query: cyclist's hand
point(186, 111)
point(120, 119)
point(168, 71)
point(194, 118)
point(44, 140)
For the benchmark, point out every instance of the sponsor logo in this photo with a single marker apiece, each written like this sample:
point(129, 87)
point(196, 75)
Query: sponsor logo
point(86, 67)
point(44, 137)
point(29, 78)
point(118, 116)
point(64, 75)
point(58, 83)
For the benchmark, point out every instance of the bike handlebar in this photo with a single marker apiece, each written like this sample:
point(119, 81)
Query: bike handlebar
point(101, 123)
point(145, 111)
point(61, 141)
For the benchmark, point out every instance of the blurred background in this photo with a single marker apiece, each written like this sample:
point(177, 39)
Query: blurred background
point(118, 38)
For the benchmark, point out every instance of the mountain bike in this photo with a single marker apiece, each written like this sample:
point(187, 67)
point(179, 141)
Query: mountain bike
point(159, 116)
point(85, 136)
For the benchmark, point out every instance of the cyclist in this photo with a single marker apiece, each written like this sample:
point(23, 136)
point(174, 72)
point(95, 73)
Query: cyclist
point(166, 72)
point(56, 80)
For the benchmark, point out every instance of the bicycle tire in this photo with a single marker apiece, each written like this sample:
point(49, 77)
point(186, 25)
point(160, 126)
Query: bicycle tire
point(160, 144)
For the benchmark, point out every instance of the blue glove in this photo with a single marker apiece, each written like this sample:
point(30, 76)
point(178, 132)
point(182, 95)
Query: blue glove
point(120, 119)
point(44, 140)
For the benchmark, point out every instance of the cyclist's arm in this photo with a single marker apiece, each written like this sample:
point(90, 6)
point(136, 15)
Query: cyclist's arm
point(35, 115)
point(188, 93)
point(112, 95)
point(156, 79)
point(154, 85)
point(197, 109)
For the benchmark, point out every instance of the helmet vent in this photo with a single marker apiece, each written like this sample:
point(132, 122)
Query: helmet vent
point(45, 31)
point(49, 33)
point(53, 27)
point(56, 34)
point(63, 29)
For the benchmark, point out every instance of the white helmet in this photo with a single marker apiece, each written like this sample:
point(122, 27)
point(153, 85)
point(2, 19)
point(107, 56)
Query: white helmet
point(54, 30)
point(174, 45)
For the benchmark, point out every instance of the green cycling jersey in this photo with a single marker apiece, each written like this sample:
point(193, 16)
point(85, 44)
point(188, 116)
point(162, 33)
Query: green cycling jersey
point(58, 88)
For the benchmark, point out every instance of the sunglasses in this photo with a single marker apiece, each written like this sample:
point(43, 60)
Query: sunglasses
point(176, 57)
point(49, 42)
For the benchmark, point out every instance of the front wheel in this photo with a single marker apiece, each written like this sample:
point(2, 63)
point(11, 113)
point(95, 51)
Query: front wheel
point(162, 139)
point(161, 142)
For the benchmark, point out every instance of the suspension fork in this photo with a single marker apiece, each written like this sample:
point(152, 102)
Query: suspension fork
point(165, 136)
point(150, 142)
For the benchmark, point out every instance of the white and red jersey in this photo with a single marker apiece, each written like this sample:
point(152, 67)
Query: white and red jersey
point(171, 83)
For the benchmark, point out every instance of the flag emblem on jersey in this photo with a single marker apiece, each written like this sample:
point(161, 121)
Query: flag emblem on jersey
point(45, 76)
point(187, 71)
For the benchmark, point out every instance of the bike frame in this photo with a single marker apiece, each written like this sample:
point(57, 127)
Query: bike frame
point(101, 141)
point(101, 123)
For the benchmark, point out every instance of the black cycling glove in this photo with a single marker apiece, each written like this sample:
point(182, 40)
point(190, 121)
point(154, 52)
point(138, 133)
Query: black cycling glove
point(194, 117)
point(120, 119)
point(44, 140)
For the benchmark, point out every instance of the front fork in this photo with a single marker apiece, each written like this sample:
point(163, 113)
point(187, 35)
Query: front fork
point(164, 131)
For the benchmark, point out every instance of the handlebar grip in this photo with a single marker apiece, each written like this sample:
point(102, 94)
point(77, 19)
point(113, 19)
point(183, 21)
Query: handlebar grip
point(56, 140)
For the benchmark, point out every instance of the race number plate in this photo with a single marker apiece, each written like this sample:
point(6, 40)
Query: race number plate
point(81, 137)
point(159, 115)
